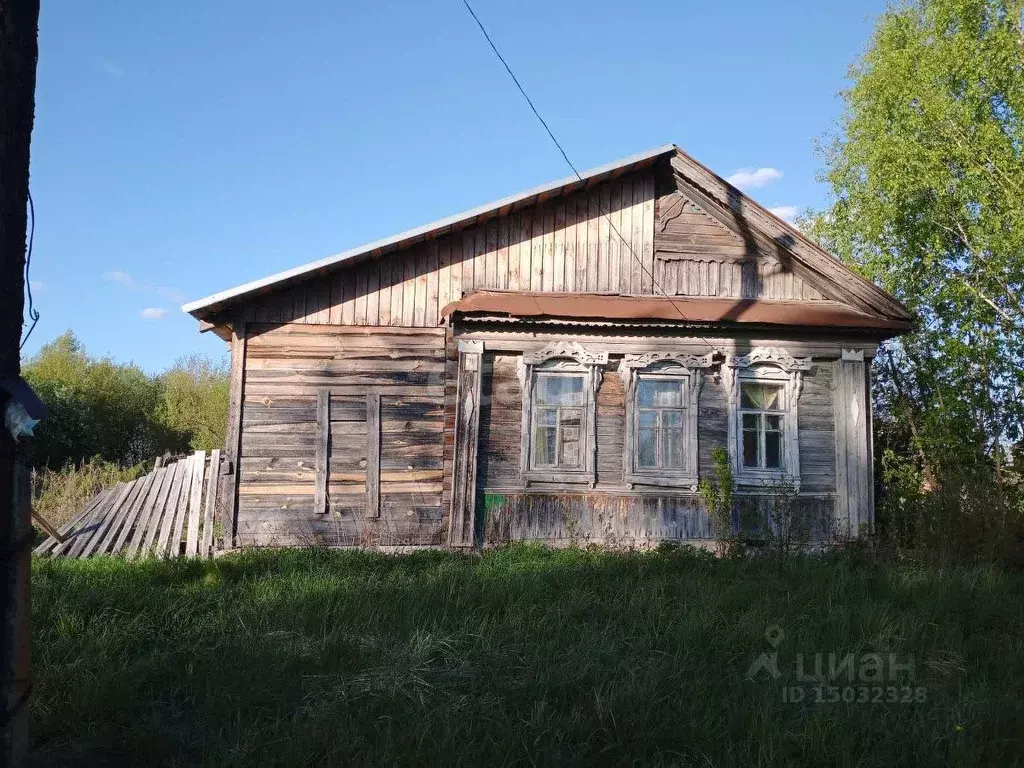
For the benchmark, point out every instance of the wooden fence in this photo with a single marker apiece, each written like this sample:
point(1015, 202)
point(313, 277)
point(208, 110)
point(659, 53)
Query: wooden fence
point(167, 513)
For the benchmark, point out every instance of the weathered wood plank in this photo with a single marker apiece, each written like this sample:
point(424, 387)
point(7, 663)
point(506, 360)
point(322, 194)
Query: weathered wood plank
point(151, 507)
point(179, 485)
point(467, 425)
point(169, 543)
point(195, 504)
point(322, 447)
point(373, 474)
point(51, 543)
point(121, 526)
point(206, 546)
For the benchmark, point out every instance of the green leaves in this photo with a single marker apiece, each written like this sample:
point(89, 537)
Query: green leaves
point(928, 184)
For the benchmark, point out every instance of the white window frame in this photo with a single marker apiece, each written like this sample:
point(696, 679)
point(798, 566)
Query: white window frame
point(681, 367)
point(569, 358)
point(776, 366)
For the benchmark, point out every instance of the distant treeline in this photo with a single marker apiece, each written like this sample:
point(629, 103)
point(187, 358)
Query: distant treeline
point(117, 412)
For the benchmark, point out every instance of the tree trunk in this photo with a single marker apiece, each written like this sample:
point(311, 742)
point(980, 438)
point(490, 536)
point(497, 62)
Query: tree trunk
point(19, 27)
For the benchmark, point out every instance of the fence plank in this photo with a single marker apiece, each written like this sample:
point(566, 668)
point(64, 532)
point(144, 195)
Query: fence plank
point(65, 530)
point(178, 489)
point(195, 504)
point(162, 504)
point(213, 481)
point(129, 518)
point(161, 485)
point(100, 543)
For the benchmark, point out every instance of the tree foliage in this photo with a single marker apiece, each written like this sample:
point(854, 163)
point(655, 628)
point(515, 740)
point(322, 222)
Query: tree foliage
point(928, 183)
point(118, 412)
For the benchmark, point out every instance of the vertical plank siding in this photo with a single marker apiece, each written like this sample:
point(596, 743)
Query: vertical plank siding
point(695, 255)
point(563, 244)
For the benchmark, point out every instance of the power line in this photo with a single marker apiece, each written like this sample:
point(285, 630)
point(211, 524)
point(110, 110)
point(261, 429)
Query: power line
point(569, 162)
point(33, 313)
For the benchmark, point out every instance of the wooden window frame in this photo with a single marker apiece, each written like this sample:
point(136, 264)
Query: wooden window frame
point(664, 365)
point(770, 366)
point(568, 358)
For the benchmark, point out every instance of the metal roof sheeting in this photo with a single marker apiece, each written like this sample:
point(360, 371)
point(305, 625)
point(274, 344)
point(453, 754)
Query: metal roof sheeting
point(682, 309)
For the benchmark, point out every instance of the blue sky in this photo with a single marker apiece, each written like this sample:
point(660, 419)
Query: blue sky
point(183, 148)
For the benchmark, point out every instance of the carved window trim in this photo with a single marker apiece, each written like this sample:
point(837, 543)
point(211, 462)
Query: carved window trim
point(769, 364)
point(562, 357)
point(663, 365)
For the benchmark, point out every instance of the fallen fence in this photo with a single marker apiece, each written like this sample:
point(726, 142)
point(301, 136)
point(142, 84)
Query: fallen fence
point(167, 513)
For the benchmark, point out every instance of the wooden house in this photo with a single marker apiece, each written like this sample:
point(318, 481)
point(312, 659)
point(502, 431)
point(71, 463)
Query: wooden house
point(559, 366)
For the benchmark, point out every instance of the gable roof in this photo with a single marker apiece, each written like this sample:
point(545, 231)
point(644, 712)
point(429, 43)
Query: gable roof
point(202, 308)
point(758, 227)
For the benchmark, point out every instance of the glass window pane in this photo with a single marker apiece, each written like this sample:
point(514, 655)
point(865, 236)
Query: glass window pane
point(751, 420)
point(660, 393)
point(773, 450)
point(559, 390)
point(751, 448)
point(773, 422)
point(547, 417)
point(647, 451)
point(648, 419)
point(571, 417)
point(672, 419)
point(544, 444)
point(570, 448)
point(673, 448)
point(763, 397)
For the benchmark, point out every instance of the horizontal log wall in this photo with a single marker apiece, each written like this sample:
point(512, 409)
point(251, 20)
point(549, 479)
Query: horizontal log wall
point(609, 512)
point(562, 244)
point(286, 368)
point(695, 255)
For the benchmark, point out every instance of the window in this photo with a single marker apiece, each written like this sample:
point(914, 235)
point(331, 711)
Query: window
point(660, 422)
point(762, 423)
point(764, 388)
point(559, 419)
point(662, 389)
point(559, 440)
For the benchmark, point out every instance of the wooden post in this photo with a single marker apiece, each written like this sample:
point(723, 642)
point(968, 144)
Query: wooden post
point(467, 427)
point(323, 451)
point(855, 507)
point(19, 50)
point(228, 495)
point(373, 455)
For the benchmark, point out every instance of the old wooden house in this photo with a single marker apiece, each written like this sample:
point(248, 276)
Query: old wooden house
point(557, 366)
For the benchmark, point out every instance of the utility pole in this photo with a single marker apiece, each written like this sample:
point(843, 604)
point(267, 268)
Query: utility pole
point(19, 50)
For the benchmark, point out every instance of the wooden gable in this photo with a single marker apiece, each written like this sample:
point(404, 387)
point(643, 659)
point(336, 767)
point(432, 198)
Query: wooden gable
point(669, 226)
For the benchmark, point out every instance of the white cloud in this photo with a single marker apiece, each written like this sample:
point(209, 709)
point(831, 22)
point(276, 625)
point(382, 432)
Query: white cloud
point(119, 276)
point(752, 178)
point(152, 313)
point(787, 213)
point(171, 294)
point(108, 67)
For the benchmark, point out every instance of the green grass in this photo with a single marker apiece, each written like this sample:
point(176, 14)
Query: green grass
point(522, 657)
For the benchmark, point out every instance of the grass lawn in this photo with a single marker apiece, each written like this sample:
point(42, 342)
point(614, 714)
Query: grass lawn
point(522, 657)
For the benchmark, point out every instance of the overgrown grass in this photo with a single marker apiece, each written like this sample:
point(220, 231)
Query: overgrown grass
point(60, 494)
point(522, 657)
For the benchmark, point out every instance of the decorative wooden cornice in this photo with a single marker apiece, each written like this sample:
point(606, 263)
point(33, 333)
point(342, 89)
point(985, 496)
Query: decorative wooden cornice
point(565, 349)
point(630, 363)
point(772, 355)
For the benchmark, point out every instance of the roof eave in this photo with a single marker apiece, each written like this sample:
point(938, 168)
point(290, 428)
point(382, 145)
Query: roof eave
point(202, 309)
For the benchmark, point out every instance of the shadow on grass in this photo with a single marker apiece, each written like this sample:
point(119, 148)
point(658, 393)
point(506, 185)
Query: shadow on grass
point(524, 655)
